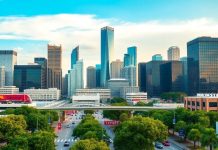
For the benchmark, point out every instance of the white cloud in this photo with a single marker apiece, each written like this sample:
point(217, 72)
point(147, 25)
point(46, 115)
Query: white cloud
point(70, 30)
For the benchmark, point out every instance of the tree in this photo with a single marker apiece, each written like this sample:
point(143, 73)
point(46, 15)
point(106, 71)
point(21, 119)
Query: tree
point(175, 96)
point(123, 117)
point(117, 100)
point(208, 137)
point(194, 135)
point(42, 140)
point(139, 133)
point(90, 144)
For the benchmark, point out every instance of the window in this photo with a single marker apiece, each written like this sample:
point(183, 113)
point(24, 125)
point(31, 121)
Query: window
point(188, 102)
point(203, 104)
point(198, 104)
point(193, 103)
point(213, 104)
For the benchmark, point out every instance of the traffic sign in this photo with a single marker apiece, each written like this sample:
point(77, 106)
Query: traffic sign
point(181, 132)
point(111, 122)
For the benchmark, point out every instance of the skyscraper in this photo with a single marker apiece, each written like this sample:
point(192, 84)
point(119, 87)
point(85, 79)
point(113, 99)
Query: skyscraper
point(43, 62)
point(116, 67)
point(132, 51)
point(185, 72)
point(142, 76)
point(202, 55)
point(75, 78)
point(54, 66)
point(129, 73)
point(28, 76)
point(98, 75)
point(107, 48)
point(126, 60)
point(157, 57)
point(8, 58)
point(2, 76)
point(74, 56)
point(173, 53)
point(91, 77)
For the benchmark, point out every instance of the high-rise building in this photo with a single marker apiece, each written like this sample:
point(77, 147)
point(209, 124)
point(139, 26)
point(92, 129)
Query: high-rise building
point(107, 48)
point(65, 85)
point(2, 76)
point(44, 63)
point(129, 73)
point(142, 77)
point(126, 60)
point(132, 51)
point(116, 85)
point(171, 77)
point(116, 67)
point(98, 75)
point(74, 56)
point(91, 77)
point(157, 57)
point(54, 66)
point(8, 58)
point(28, 76)
point(202, 55)
point(173, 53)
point(185, 72)
point(75, 78)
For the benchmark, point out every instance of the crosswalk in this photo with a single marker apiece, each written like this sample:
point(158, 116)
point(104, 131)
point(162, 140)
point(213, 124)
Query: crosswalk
point(60, 140)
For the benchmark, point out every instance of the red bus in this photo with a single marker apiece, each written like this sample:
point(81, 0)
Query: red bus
point(15, 98)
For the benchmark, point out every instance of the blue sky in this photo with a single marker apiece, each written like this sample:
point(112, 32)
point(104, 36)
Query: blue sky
point(152, 25)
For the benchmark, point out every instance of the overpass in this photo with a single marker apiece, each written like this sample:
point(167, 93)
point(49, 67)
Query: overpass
point(130, 108)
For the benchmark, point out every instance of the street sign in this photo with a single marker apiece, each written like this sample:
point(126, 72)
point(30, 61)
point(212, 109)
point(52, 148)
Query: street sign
point(174, 120)
point(111, 122)
point(181, 132)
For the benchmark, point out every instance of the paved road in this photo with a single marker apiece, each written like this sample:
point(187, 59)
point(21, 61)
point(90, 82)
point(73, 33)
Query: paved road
point(65, 134)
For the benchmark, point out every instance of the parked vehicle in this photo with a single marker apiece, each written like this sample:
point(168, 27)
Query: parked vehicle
point(66, 144)
point(158, 145)
point(166, 143)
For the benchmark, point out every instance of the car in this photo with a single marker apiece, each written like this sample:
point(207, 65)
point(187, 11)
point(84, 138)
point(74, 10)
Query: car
point(110, 140)
point(66, 144)
point(68, 126)
point(166, 143)
point(158, 145)
point(73, 122)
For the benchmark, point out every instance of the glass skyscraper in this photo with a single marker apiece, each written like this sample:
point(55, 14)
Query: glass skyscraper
point(107, 48)
point(43, 62)
point(126, 60)
point(132, 51)
point(202, 55)
point(157, 57)
point(98, 75)
point(74, 56)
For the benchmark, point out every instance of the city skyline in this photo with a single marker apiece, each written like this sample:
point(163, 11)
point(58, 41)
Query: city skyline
point(68, 29)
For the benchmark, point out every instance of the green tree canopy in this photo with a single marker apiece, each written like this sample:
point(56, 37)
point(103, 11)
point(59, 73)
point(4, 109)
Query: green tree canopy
point(139, 133)
point(194, 135)
point(90, 144)
point(208, 137)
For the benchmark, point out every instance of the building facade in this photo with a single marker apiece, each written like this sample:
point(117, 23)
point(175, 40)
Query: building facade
point(2, 76)
point(74, 56)
point(86, 100)
point(98, 75)
point(8, 58)
point(9, 90)
point(202, 55)
point(44, 63)
point(115, 85)
point(126, 60)
point(116, 67)
point(29, 76)
point(142, 77)
point(128, 89)
point(91, 77)
point(132, 51)
point(50, 94)
point(134, 98)
point(129, 73)
point(173, 53)
point(185, 72)
point(205, 102)
point(54, 66)
point(107, 50)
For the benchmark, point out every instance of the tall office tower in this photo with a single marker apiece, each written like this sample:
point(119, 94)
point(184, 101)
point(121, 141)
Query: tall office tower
point(44, 63)
point(185, 72)
point(98, 75)
point(107, 48)
point(28, 76)
point(157, 57)
point(132, 51)
point(2, 76)
point(91, 77)
point(116, 67)
point(65, 85)
point(54, 66)
point(129, 73)
point(142, 77)
point(171, 77)
point(126, 60)
point(153, 78)
point(75, 78)
point(202, 55)
point(173, 53)
point(8, 58)
point(74, 56)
